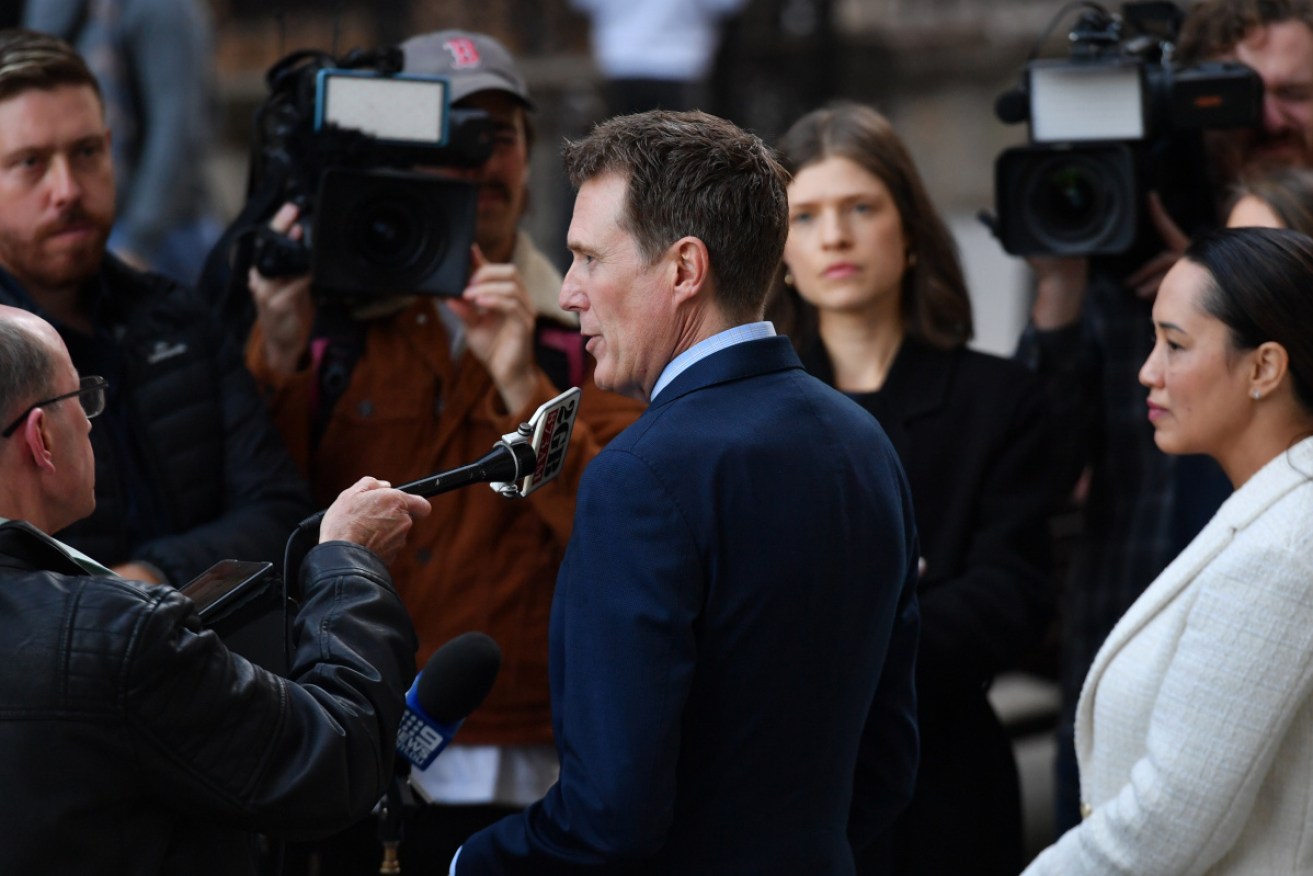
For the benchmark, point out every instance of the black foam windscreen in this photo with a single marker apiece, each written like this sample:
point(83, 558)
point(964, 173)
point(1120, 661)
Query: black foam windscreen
point(458, 676)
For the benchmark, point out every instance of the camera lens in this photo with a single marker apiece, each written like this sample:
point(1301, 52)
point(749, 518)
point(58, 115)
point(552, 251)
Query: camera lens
point(1068, 199)
point(393, 236)
point(382, 232)
point(388, 233)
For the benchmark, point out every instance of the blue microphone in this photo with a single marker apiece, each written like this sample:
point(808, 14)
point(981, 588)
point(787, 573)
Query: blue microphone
point(453, 683)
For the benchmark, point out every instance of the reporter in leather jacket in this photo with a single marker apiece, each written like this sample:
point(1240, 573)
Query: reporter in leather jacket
point(131, 740)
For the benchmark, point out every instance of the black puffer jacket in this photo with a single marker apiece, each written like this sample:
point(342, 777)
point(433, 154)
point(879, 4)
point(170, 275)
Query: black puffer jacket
point(219, 482)
point(131, 742)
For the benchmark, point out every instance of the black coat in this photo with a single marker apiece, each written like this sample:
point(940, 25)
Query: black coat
point(131, 742)
point(973, 436)
point(216, 479)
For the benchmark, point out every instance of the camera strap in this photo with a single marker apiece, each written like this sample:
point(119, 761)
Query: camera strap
point(335, 349)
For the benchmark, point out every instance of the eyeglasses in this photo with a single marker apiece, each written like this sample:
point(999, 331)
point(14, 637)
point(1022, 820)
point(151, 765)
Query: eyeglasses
point(91, 395)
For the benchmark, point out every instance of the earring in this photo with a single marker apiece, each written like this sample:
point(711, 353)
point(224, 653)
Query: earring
point(1255, 395)
point(788, 279)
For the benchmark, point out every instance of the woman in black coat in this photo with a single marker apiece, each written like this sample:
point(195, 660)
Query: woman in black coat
point(875, 300)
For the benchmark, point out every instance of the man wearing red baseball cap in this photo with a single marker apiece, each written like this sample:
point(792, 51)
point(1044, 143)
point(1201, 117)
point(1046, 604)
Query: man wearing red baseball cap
point(431, 384)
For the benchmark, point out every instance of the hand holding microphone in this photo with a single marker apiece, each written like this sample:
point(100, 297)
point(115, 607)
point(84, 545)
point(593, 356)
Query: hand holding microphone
point(521, 462)
point(370, 514)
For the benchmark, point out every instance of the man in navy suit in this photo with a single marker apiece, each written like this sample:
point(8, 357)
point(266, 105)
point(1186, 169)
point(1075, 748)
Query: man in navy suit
point(735, 616)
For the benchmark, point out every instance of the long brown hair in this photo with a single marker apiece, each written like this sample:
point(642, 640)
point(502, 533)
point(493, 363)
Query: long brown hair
point(1287, 191)
point(934, 302)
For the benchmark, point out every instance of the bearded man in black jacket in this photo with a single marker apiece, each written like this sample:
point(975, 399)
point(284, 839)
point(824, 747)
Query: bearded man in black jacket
point(188, 467)
point(131, 740)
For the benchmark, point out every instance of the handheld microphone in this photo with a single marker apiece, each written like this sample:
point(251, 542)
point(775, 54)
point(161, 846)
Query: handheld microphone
point(522, 461)
point(453, 683)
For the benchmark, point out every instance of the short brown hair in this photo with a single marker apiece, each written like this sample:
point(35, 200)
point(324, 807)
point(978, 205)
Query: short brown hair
point(1213, 27)
point(933, 302)
point(691, 174)
point(31, 60)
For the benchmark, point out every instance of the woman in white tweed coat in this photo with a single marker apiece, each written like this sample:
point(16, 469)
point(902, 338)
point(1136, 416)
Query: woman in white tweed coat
point(1194, 731)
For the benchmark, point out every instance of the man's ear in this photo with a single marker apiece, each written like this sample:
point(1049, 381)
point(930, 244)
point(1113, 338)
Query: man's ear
point(692, 267)
point(37, 440)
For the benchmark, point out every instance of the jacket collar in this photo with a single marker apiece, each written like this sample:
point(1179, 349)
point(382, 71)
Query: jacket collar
point(96, 297)
point(1242, 509)
point(25, 546)
point(748, 359)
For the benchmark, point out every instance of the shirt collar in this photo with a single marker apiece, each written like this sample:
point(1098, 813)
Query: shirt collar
point(752, 331)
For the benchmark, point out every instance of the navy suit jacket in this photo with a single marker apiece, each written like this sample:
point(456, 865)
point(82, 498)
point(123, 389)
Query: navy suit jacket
point(735, 612)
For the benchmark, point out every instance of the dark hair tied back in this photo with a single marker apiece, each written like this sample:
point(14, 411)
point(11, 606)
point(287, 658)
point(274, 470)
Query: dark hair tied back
point(1262, 289)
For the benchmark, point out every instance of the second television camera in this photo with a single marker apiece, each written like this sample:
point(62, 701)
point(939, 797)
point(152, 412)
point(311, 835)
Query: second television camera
point(1116, 119)
point(341, 138)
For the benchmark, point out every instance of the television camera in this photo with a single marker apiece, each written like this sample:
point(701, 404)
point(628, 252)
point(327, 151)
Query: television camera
point(341, 138)
point(1115, 120)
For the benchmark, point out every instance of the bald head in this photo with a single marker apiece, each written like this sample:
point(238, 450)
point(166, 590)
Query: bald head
point(29, 354)
point(47, 467)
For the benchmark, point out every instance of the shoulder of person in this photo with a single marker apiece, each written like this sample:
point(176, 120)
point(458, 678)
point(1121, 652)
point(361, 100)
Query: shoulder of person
point(137, 289)
point(983, 371)
point(150, 302)
point(22, 546)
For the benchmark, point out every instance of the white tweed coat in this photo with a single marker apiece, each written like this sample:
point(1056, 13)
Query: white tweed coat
point(1194, 730)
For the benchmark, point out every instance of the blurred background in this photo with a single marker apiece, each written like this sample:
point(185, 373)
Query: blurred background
point(934, 67)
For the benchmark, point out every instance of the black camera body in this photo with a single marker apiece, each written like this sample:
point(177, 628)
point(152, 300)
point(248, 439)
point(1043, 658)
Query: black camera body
point(1115, 120)
point(341, 138)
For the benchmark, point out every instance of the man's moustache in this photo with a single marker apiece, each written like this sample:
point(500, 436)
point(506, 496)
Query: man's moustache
point(67, 221)
point(497, 188)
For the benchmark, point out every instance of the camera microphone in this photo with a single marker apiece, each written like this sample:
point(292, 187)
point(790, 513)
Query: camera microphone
point(1012, 107)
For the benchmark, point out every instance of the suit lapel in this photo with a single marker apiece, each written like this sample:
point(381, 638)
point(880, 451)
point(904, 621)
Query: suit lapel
point(1242, 508)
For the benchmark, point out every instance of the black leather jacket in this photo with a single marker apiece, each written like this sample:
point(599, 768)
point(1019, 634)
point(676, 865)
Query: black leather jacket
point(212, 478)
point(134, 742)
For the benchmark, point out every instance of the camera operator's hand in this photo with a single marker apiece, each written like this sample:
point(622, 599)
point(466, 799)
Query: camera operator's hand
point(372, 514)
point(1060, 283)
point(1146, 278)
point(283, 306)
point(499, 319)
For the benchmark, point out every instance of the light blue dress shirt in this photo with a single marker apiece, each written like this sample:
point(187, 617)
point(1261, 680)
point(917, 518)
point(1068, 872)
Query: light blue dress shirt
point(752, 331)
